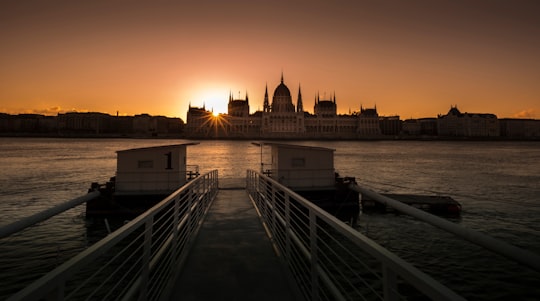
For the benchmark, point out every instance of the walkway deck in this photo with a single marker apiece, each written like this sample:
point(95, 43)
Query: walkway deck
point(232, 258)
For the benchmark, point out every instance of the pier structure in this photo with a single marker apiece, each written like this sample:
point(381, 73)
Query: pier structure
point(255, 240)
point(203, 242)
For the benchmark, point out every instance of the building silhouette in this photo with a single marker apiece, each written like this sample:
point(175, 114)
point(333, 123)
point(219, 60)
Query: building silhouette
point(457, 124)
point(89, 124)
point(282, 119)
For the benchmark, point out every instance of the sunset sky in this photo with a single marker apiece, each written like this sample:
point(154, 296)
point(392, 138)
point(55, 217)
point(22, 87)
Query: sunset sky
point(409, 58)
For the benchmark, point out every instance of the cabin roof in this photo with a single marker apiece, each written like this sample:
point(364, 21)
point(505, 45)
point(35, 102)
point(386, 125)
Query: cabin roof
point(157, 147)
point(285, 145)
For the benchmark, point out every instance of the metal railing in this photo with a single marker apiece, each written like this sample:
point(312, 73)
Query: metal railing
point(328, 259)
point(192, 171)
point(138, 261)
point(28, 221)
point(511, 252)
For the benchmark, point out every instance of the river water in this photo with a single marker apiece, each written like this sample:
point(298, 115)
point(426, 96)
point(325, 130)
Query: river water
point(497, 183)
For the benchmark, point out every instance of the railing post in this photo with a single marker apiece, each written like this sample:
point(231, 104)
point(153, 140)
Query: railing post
point(217, 180)
point(192, 195)
point(176, 213)
point(211, 181)
point(200, 199)
point(273, 210)
point(313, 253)
point(204, 185)
point(287, 227)
point(208, 189)
point(257, 190)
point(254, 183)
point(255, 179)
point(145, 273)
point(248, 182)
point(263, 194)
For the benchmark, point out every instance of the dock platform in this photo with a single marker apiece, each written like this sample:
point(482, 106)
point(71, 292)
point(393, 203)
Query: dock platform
point(232, 257)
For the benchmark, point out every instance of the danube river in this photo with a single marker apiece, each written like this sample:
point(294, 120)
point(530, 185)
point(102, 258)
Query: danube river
point(497, 183)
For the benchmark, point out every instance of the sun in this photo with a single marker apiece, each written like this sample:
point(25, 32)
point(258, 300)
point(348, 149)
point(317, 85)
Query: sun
point(216, 113)
point(214, 99)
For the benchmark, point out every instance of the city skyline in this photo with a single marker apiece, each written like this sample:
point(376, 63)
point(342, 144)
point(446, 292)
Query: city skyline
point(414, 59)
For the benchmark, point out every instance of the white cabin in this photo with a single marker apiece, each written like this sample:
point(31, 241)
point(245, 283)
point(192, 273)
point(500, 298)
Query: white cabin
point(151, 170)
point(302, 167)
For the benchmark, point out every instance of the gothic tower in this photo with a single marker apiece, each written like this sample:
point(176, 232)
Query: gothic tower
point(299, 105)
point(266, 106)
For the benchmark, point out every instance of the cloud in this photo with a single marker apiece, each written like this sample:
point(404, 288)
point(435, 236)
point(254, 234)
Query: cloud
point(53, 111)
point(48, 111)
point(528, 113)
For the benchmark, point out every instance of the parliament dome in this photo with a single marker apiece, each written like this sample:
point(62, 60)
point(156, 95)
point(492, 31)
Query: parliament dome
point(282, 90)
point(282, 100)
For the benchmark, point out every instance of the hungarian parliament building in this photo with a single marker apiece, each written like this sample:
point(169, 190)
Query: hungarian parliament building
point(281, 119)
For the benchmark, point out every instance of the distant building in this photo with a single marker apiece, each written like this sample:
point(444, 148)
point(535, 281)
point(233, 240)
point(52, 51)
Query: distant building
point(325, 108)
point(419, 127)
point(197, 122)
point(368, 123)
point(27, 124)
point(390, 125)
point(237, 107)
point(35, 123)
point(237, 123)
point(282, 119)
point(411, 127)
point(156, 125)
point(326, 123)
point(428, 126)
point(92, 124)
point(6, 121)
point(457, 124)
point(520, 128)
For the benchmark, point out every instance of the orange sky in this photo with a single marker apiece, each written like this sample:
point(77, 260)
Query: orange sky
point(410, 58)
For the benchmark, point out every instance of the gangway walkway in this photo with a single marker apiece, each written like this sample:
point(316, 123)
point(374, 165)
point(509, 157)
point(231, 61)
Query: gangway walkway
point(232, 257)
